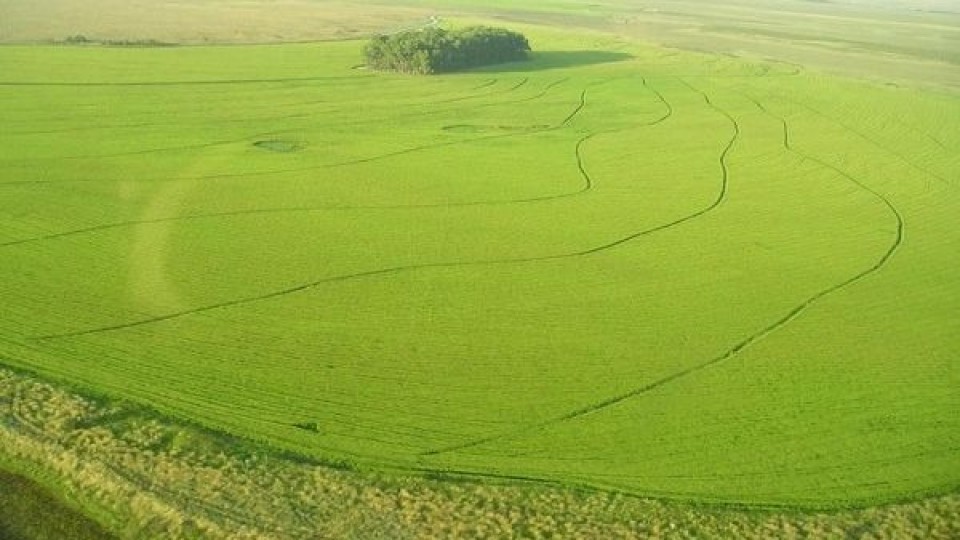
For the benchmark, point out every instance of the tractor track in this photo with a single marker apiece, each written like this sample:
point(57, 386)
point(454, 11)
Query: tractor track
point(546, 89)
point(587, 185)
point(742, 344)
point(576, 110)
point(574, 113)
point(214, 144)
point(873, 142)
point(588, 181)
point(421, 148)
point(725, 177)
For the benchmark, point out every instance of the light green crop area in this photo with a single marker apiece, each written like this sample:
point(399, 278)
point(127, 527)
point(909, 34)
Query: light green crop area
point(673, 274)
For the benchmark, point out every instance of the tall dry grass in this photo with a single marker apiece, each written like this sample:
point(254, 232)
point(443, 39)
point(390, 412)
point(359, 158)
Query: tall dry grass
point(147, 478)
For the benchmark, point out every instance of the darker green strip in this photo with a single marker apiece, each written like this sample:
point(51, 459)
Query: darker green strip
point(30, 512)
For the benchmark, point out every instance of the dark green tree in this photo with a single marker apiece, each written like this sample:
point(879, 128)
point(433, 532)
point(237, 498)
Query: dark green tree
point(434, 50)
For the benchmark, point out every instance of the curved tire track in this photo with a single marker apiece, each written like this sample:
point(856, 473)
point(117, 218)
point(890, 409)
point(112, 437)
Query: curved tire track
point(306, 209)
point(516, 86)
point(546, 89)
point(212, 144)
point(588, 184)
point(725, 178)
point(900, 157)
point(414, 149)
point(742, 344)
point(489, 82)
point(576, 110)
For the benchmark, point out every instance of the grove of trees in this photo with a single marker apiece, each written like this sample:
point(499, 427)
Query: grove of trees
point(435, 50)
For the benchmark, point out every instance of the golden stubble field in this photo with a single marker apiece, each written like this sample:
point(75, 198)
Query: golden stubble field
point(203, 21)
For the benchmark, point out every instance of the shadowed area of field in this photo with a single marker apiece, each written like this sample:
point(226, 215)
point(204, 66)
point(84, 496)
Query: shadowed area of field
point(546, 60)
point(29, 512)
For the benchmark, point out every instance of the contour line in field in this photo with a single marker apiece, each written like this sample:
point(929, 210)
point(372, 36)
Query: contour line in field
point(736, 348)
point(587, 185)
point(722, 192)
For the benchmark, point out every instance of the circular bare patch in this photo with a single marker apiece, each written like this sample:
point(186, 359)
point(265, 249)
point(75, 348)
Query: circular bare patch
point(277, 145)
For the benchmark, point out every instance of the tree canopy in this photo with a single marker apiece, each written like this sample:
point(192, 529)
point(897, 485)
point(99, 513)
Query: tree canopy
point(435, 50)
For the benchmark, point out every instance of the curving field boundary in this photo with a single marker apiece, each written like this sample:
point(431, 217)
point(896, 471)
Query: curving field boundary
point(721, 196)
point(744, 343)
point(245, 138)
point(588, 184)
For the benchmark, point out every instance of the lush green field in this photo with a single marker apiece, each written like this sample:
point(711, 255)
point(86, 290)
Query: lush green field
point(621, 266)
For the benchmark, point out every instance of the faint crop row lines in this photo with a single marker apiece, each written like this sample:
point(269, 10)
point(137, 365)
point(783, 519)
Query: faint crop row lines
point(332, 407)
point(273, 116)
point(430, 108)
point(175, 115)
point(900, 157)
point(563, 123)
point(130, 223)
point(385, 435)
point(508, 90)
point(212, 144)
point(178, 83)
point(489, 82)
point(745, 342)
point(587, 184)
point(206, 105)
point(398, 269)
point(721, 196)
point(274, 133)
point(146, 151)
point(298, 498)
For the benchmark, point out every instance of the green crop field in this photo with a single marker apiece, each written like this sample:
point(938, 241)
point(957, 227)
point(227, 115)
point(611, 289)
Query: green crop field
point(616, 265)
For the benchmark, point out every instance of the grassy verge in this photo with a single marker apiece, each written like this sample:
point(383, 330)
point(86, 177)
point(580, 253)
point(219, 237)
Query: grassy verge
point(159, 479)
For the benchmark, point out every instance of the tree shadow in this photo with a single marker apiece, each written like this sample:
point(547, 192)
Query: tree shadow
point(546, 60)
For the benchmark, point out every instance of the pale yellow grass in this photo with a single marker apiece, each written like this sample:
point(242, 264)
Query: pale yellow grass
point(147, 478)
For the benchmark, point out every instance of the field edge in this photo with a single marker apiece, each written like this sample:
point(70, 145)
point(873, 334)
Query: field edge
point(52, 447)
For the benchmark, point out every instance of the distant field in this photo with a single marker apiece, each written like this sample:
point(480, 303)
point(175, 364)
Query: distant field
point(901, 41)
point(673, 274)
point(200, 21)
